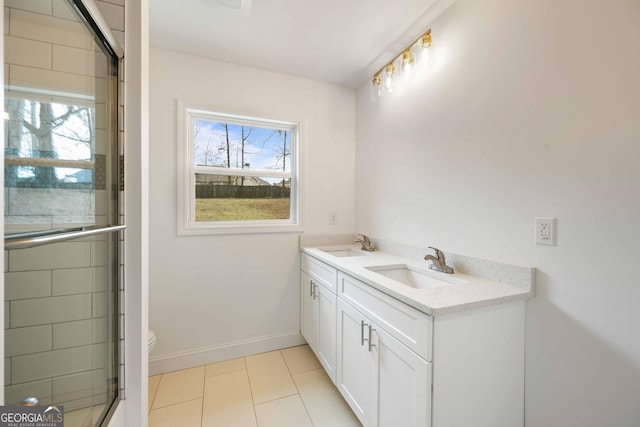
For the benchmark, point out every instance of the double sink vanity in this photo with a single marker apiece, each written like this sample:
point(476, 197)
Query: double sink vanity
point(409, 346)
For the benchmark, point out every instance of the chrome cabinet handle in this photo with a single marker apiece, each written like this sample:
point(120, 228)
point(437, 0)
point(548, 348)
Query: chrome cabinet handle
point(315, 289)
point(371, 345)
point(311, 283)
point(362, 338)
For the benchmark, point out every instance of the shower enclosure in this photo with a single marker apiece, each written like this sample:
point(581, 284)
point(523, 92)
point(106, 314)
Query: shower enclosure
point(62, 225)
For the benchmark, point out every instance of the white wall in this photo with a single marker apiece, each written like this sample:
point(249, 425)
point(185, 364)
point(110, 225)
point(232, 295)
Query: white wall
point(532, 111)
point(214, 296)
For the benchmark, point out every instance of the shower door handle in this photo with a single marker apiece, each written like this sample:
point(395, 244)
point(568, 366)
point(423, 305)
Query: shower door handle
point(31, 240)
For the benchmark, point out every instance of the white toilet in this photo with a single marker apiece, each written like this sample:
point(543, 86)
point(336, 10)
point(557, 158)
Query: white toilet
point(152, 340)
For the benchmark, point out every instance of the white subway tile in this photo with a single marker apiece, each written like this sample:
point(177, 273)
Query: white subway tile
point(100, 220)
point(72, 221)
point(113, 14)
point(101, 114)
point(100, 202)
point(78, 404)
point(7, 315)
point(49, 29)
point(7, 370)
point(30, 53)
point(42, 311)
point(72, 387)
point(50, 80)
point(100, 380)
point(22, 223)
point(37, 6)
point(58, 255)
point(78, 333)
point(99, 355)
point(73, 60)
point(34, 339)
point(14, 394)
point(100, 302)
point(52, 363)
point(27, 284)
point(78, 386)
point(72, 334)
point(101, 145)
point(100, 279)
point(99, 330)
point(99, 399)
point(100, 85)
point(99, 252)
point(62, 9)
point(74, 281)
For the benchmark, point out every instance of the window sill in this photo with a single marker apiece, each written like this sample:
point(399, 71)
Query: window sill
point(221, 229)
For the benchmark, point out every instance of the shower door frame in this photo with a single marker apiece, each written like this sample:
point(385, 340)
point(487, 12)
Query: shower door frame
point(98, 26)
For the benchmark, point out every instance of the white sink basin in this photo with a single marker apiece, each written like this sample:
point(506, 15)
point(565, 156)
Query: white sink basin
point(413, 277)
point(343, 252)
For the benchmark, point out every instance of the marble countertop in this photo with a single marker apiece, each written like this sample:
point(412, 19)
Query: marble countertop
point(464, 292)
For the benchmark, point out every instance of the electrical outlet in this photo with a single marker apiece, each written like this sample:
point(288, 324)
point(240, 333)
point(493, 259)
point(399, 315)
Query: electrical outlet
point(545, 231)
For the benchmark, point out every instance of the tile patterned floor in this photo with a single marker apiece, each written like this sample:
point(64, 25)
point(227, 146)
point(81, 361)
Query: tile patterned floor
point(284, 388)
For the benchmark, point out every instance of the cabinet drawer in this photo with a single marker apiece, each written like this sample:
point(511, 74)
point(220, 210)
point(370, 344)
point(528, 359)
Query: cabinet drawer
point(320, 271)
point(411, 327)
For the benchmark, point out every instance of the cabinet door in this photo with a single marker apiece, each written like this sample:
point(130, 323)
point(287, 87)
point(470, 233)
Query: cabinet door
point(309, 311)
point(355, 361)
point(326, 307)
point(403, 381)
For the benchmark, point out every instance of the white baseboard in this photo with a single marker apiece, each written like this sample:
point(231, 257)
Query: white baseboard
point(202, 356)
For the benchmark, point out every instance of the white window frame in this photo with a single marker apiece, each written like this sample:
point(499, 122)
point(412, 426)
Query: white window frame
point(187, 224)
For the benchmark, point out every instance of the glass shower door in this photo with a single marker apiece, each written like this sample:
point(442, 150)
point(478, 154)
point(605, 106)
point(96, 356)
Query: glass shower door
point(62, 239)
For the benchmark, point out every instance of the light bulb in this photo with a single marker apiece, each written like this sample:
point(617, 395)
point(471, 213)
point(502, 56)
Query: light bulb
point(425, 56)
point(389, 72)
point(425, 53)
point(408, 61)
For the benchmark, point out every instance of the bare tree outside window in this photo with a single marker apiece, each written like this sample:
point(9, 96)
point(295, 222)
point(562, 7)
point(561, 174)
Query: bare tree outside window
point(261, 191)
point(46, 130)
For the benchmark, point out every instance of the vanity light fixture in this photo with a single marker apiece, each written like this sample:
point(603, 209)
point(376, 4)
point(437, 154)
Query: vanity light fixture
point(415, 56)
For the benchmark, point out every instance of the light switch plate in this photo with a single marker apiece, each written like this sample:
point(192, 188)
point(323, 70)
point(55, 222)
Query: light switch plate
point(333, 218)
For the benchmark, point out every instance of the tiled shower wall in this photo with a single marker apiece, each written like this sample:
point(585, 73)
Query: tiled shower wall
point(55, 295)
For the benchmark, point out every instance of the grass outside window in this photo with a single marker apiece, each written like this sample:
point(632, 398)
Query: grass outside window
point(242, 209)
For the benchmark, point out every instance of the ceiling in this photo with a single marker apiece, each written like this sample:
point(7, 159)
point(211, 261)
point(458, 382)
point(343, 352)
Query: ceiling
point(336, 41)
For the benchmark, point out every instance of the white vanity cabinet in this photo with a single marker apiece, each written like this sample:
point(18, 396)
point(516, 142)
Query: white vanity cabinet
point(383, 380)
point(318, 311)
point(395, 365)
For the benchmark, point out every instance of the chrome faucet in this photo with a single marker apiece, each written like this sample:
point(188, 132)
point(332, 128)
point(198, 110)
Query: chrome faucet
point(365, 242)
point(438, 262)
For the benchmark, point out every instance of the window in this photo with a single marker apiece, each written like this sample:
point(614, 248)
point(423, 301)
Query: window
point(239, 174)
